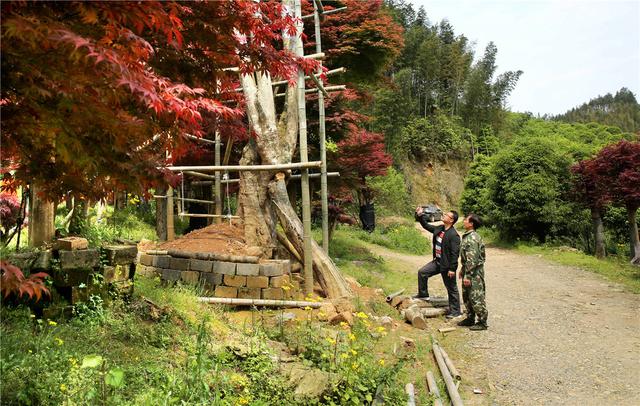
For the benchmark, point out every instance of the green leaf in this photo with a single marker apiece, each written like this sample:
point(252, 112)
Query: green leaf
point(91, 361)
point(115, 378)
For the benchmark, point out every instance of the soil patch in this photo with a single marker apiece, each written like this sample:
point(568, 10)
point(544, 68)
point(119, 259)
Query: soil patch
point(216, 238)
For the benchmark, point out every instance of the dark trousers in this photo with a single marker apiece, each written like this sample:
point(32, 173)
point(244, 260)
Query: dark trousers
point(431, 269)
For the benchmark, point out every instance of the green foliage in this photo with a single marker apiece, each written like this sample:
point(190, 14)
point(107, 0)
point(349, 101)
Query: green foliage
point(475, 196)
point(391, 195)
point(437, 136)
point(399, 237)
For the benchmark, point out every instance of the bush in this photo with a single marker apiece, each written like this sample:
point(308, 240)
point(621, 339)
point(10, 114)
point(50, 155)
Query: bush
point(390, 193)
point(435, 136)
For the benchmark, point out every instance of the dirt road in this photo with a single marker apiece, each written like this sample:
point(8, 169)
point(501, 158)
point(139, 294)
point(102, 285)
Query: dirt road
point(557, 335)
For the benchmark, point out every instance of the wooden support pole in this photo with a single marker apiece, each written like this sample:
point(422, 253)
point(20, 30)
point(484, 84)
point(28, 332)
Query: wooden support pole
point(456, 400)
point(199, 139)
point(452, 369)
point(284, 82)
point(239, 168)
point(213, 216)
point(302, 129)
point(310, 56)
point(317, 6)
point(411, 394)
point(171, 234)
point(335, 10)
point(260, 302)
point(41, 221)
point(433, 389)
point(217, 189)
point(390, 297)
point(327, 89)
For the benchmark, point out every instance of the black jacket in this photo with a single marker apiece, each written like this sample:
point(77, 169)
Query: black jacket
point(450, 245)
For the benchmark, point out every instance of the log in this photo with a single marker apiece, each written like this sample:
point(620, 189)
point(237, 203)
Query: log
point(447, 329)
point(390, 297)
point(413, 316)
point(287, 244)
point(411, 394)
point(260, 302)
point(456, 400)
point(452, 369)
point(433, 389)
point(396, 301)
point(331, 280)
point(433, 312)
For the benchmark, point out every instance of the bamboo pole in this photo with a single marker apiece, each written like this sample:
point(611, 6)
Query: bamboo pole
point(171, 234)
point(335, 10)
point(199, 139)
point(390, 297)
point(284, 82)
point(218, 185)
point(433, 389)
point(327, 89)
point(260, 302)
point(287, 244)
point(452, 369)
point(317, 7)
point(310, 56)
point(302, 128)
point(456, 400)
point(213, 216)
point(238, 168)
point(411, 394)
point(211, 182)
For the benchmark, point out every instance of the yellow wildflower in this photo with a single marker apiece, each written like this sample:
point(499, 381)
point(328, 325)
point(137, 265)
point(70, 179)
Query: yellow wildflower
point(381, 362)
point(344, 355)
point(381, 329)
point(331, 340)
point(60, 341)
point(63, 387)
point(354, 366)
point(354, 352)
point(362, 315)
point(307, 308)
point(352, 337)
point(243, 401)
point(286, 287)
point(343, 324)
point(33, 316)
point(52, 323)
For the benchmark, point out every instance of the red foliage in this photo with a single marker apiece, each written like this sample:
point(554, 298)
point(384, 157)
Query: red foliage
point(362, 154)
point(14, 282)
point(617, 168)
point(585, 185)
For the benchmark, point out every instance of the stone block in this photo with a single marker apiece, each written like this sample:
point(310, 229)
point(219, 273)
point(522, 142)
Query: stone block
point(64, 278)
point(170, 275)
point(257, 281)
point(82, 294)
point(249, 293)
point(234, 280)
point(43, 261)
point(226, 291)
point(248, 269)
point(146, 260)
point(161, 261)
point(200, 265)
point(56, 312)
point(71, 244)
point(120, 254)
point(210, 280)
point(191, 277)
point(23, 260)
point(115, 273)
point(272, 293)
point(148, 271)
point(83, 259)
point(181, 264)
point(225, 268)
point(279, 281)
point(123, 288)
point(275, 267)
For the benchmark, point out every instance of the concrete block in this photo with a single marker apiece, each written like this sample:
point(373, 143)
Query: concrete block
point(71, 244)
point(146, 259)
point(170, 275)
point(249, 293)
point(248, 269)
point(210, 280)
point(225, 268)
point(279, 281)
point(43, 261)
point(191, 277)
point(257, 281)
point(181, 264)
point(275, 267)
point(200, 265)
point(234, 280)
point(63, 278)
point(226, 291)
point(120, 254)
point(83, 259)
point(161, 261)
point(272, 293)
point(148, 271)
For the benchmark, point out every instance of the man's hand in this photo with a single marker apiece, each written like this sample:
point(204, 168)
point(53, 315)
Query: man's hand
point(451, 274)
point(419, 211)
point(466, 282)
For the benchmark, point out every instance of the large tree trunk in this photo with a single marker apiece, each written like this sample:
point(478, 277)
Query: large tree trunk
point(41, 219)
point(598, 232)
point(635, 240)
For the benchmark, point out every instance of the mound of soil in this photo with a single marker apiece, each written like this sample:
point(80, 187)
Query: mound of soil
point(217, 238)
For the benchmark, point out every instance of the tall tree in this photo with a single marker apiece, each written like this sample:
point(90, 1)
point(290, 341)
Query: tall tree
point(586, 190)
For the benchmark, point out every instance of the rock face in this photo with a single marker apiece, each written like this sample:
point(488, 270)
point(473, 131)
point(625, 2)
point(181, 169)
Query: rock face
point(309, 382)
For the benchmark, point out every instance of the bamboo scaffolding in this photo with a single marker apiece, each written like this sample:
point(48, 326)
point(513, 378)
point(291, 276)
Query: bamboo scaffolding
point(211, 182)
point(310, 56)
point(238, 168)
point(284, 82)
point(456, 400)
point(335, 10)
point(260, 302)
point(335, 88)
point(217, 188)
point(208, 215)
point(193, 137)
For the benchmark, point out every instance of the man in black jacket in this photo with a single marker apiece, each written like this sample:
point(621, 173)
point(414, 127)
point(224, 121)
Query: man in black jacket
point(446, 248)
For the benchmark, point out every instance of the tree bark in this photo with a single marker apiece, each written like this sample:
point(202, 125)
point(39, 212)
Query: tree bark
point(598, 232)
point(41, 219)
point(635, 240)
point(161, 213)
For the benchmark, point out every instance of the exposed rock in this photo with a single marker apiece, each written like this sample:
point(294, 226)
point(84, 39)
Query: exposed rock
point(345, 317)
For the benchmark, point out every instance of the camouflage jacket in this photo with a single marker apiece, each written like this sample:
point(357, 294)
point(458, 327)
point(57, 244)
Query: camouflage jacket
point(472, 253)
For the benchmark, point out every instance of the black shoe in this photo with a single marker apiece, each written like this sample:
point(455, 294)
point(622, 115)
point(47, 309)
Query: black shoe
point(479, 326)
point(453, 315)
point(468, 322)
point(425, 298)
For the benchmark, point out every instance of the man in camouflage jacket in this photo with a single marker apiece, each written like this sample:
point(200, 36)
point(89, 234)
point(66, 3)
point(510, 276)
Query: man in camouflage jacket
point(472, 275)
